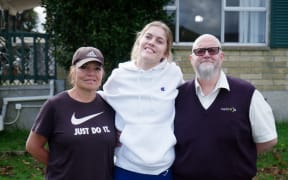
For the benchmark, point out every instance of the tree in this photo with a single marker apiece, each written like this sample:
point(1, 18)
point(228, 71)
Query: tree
point(27, 20)
point(109, 25)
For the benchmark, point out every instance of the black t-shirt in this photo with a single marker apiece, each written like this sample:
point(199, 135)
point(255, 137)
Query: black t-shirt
point(81, 138)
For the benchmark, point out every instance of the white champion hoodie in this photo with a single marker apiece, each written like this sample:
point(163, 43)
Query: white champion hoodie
point(144, 104)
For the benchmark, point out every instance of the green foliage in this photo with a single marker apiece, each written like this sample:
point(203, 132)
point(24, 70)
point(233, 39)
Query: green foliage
point(109, 25)
point(26, 21)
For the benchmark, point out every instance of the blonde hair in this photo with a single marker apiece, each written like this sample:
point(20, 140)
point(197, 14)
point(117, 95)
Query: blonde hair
point(71, 75)
point(139, 35)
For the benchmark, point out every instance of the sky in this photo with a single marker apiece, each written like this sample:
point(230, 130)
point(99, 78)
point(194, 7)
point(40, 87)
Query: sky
point(41, 15)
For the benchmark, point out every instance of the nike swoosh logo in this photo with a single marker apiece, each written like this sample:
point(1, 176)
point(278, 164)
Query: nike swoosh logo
point(77, 121)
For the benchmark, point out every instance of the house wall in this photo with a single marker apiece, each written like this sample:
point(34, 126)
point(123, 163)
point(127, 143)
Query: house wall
point(25, 103)
point(265, 68)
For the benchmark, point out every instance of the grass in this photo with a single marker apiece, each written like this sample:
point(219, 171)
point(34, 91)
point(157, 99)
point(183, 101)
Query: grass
point(273, 165)
point(15, 163)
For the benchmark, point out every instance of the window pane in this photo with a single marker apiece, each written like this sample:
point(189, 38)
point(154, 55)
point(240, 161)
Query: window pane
point(246, 3)
point(232, 3)
point(199, 17)
point(245, 27)
point(231, 27)
point(172, 15)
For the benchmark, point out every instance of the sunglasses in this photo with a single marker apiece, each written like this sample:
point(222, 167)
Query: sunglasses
point(211, 50)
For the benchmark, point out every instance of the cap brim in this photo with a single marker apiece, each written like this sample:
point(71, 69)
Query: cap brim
point(84, 61)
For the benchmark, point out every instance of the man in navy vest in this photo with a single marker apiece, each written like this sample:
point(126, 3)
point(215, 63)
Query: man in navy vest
point(221, 122)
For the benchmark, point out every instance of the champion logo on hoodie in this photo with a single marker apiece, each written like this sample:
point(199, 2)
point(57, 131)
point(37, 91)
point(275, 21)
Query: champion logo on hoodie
point(162, 88)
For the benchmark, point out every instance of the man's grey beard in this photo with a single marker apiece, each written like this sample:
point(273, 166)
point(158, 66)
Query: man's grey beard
point(206, 72)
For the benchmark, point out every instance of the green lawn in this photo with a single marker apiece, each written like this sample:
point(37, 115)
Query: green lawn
point(15, 163)
point(273, 165)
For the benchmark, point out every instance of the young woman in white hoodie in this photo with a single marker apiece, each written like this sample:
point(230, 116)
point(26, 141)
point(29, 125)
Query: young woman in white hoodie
point(142, 92)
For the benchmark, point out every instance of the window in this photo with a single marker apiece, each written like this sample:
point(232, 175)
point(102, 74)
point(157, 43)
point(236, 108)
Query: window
point(234, 22)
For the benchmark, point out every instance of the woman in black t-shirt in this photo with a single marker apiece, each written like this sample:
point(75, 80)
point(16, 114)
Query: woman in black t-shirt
point(77, 125)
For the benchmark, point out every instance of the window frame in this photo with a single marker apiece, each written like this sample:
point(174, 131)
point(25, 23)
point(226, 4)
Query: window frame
point(224, 9)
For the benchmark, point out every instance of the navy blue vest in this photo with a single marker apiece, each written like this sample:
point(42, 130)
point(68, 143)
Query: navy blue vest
point(215, 143)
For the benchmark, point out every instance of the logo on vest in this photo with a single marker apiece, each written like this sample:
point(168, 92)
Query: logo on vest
point(228, 109)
